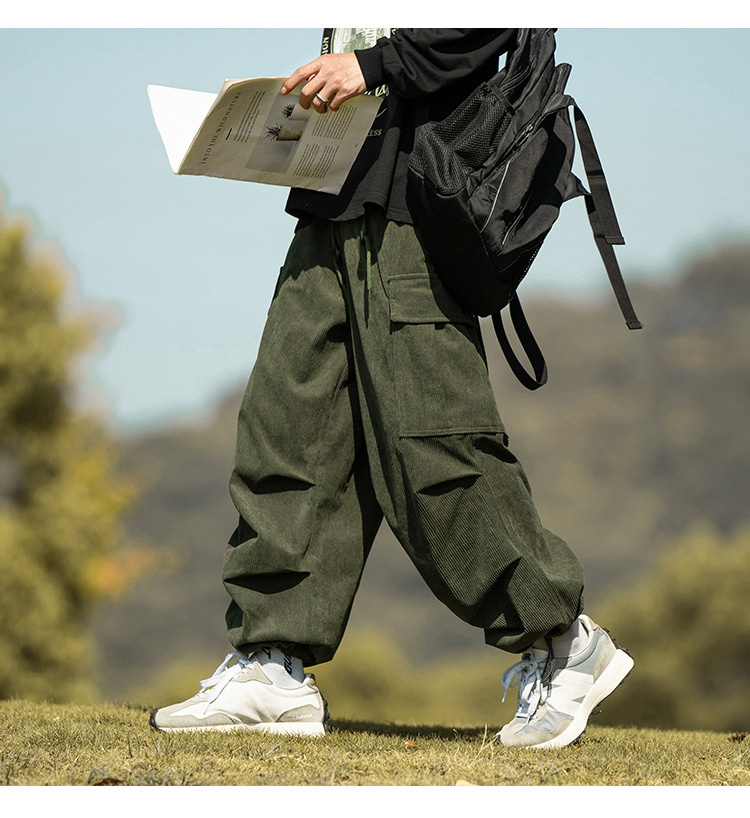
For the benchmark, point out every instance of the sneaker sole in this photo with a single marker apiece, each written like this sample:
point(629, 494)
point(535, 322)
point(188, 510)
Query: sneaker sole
point(614, 674)
point(285, 728)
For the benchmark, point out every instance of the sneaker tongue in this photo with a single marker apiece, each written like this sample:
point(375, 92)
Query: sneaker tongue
point(575, 639)
point(539, 651)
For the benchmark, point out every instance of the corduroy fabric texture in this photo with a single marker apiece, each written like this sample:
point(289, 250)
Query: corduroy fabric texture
point(369, 397)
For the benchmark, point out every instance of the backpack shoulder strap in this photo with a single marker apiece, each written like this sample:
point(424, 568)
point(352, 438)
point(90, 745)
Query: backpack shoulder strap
point(528, 343)
point(602, 216)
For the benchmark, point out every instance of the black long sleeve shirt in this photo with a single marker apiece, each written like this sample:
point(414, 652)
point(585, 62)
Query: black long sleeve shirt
point(439, 66)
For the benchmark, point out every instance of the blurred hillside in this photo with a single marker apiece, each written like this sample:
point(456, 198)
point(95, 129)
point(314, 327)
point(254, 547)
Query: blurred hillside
point(637, 437)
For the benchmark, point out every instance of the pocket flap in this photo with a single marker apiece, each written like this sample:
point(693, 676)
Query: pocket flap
point(422, 299)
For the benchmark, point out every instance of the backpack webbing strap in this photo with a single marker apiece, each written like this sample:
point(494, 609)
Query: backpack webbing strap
point(529, 344)
point(602, 217)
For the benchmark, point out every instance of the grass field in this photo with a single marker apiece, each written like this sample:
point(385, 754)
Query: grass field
point(59, 745)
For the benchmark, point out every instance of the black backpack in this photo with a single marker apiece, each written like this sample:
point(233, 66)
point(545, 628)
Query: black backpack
point(485, 185)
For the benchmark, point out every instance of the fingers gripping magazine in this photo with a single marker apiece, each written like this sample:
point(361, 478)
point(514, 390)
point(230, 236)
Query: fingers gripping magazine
point(250, 132)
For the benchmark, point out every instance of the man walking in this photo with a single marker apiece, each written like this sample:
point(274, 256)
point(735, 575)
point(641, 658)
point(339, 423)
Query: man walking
point(370, 397)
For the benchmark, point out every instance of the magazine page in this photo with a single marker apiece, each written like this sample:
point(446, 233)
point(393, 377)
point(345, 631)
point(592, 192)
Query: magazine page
point(251, 132)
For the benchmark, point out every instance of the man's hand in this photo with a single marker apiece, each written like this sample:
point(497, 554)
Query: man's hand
point(331, 79)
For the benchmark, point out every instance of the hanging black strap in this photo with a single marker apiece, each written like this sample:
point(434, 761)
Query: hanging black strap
point(529, 344)
point(602, 217)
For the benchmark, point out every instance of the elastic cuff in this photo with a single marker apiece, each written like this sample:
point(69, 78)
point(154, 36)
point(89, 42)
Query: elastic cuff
point(371, 64)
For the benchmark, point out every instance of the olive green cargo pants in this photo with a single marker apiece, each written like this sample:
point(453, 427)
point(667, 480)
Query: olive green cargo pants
point(370, 397)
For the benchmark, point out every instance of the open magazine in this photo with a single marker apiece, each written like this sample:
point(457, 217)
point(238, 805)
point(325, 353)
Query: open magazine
point(251, 132)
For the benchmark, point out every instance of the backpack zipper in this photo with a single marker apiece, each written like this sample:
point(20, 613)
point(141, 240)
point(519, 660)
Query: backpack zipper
point(515, 221)
point(497, 193)
point(520, 139)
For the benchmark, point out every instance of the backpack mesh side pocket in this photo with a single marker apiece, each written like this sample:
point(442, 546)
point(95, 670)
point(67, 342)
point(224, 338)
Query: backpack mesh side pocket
point(449, 151)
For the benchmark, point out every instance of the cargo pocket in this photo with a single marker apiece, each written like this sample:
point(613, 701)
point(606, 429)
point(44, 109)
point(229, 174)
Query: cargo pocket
point(441, 381)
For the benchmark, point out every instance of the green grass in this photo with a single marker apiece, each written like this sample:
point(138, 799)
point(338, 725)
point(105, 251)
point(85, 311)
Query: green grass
point(58, 745)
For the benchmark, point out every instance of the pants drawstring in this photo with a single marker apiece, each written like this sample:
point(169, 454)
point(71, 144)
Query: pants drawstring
point(368, 259)
point(365, 242)
point(336, 258)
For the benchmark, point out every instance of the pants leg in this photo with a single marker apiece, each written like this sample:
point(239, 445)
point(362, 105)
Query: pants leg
point(451, 490)
point(300, 482)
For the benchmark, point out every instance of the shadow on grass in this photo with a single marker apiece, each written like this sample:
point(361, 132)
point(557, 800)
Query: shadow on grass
point(378, 728)
point(408, 731)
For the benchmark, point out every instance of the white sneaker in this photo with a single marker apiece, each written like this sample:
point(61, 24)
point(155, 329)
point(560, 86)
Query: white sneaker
point(557, 694)
point(239, 696)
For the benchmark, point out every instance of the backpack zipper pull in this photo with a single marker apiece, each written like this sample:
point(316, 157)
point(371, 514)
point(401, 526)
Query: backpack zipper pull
point(525, 133)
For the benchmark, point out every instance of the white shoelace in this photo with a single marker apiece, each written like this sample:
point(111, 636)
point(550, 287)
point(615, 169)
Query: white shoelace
point(528, 675)
point(223, 675)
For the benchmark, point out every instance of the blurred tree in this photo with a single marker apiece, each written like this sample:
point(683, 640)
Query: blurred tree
point(60, 499)
point(687, 625)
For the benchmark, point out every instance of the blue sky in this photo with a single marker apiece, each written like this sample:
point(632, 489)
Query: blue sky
point(182, 269)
